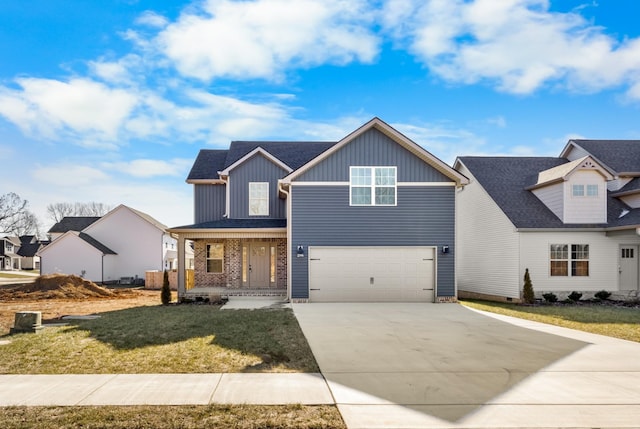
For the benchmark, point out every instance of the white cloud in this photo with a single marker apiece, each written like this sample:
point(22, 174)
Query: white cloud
point(68, 176)
point(519, 44)
point(152, 19)
point(82, 108)
point(262, 38)
point(146, 168)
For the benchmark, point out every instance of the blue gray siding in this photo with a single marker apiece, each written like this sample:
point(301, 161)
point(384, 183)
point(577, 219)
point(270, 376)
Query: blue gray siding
point(256, 169)
point(424, 216)
point(373, 148)
point(209, 202)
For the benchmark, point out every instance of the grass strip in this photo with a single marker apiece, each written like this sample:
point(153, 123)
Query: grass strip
point(173, 417)
point(165, 339)
point(613, 321)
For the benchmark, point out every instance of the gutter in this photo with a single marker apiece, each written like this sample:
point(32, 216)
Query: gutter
point(282, 189)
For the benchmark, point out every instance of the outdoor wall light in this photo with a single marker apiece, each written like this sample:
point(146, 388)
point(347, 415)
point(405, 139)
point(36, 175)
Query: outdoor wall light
point(445, 249)
point(300, 252)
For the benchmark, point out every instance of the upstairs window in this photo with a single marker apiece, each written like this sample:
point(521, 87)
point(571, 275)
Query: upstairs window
point(258, 199)
point(579, 190)
point(372, 186)
point(563, 263)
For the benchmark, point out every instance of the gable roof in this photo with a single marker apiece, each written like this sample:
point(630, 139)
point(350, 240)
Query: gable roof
point(82, 236)
point(623, 156)
point(505, 179)
point(207, 164)
point(151, 220)
point(73, 223)
point(292, 154)
point(561, 172)
point(396, 136)
point(29, 250)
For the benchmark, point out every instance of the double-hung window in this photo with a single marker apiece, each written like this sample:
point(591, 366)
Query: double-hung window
point(258, 199)
point(372, 186)
point(574, 263)
point(215, 258)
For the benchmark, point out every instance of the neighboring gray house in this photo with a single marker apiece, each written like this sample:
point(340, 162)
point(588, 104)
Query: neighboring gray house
point(368, 218)
point(573, 221)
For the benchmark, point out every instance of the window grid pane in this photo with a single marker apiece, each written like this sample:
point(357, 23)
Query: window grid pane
point(215, 258)
point(258, 199)
point(578, 190)
point(592, 190)
point(373, 186)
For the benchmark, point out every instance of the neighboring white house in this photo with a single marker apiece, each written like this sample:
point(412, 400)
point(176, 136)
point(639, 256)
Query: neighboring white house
point(573, 221)
point(124, 243)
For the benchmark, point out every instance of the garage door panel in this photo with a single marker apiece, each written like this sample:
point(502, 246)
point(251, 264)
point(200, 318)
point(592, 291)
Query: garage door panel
point(371, 274)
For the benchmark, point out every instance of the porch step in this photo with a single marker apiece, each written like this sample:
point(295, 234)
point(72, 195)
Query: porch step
point(205, 292)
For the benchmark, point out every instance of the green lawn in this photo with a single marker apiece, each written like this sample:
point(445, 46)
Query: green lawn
point(165, 339)
point(173, 417)
point(618, 322)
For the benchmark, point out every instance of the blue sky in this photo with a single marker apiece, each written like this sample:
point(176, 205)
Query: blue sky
point(110, 101)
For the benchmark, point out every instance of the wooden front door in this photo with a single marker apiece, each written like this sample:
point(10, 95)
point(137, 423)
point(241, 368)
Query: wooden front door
point(259, 258)
point(629, 267)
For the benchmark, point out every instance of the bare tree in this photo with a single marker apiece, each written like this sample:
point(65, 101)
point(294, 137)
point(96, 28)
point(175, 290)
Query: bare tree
point(57, 211)
point(15, 217)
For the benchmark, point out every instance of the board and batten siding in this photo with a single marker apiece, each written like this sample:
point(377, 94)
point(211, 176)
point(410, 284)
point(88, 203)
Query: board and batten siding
point(209, 202)
point(256, 169)
point(321, 216)
point(603, 261)
point(488, 244)
point(553, 197)
point(373, 148)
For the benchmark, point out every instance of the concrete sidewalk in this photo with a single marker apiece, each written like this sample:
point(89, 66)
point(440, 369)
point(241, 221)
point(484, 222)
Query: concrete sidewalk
point(164, 389)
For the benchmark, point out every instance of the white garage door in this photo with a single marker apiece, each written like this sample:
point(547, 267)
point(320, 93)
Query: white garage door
point(371, 274)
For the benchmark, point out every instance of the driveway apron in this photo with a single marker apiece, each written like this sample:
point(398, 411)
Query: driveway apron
point(445, 366)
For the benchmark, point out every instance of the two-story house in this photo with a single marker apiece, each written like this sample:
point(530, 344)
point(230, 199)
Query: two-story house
point(9, 258)
point(573, 221)
point(124, 243)
point(368, 218)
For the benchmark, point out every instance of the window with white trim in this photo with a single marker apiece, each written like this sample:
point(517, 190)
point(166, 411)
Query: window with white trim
point(584, 190)
point(563, 263)
point(215, 258)
point(258, 199)
point(372, 186)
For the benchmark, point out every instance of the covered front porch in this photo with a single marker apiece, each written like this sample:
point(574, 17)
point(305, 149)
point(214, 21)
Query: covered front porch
point(239, 257)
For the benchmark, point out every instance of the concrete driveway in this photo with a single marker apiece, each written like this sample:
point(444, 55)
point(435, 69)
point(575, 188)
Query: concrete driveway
point(445, 366)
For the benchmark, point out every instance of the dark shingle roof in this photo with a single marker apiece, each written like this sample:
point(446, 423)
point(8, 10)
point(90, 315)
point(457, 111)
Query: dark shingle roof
point(293, 154)
point(633, 185)
point(505, 180)
point(73, 223)
point(207, 164)
point(623, 156)
point(95, 243)
point(29, 250)
point(237, 224)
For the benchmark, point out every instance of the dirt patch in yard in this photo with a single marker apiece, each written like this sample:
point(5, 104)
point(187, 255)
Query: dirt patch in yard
point(61, 295)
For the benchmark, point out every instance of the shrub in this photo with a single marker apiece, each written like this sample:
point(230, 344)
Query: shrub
point(527, 291)
point(165, 293)
point(550, 297)
point(575, 296)
point(603, 295)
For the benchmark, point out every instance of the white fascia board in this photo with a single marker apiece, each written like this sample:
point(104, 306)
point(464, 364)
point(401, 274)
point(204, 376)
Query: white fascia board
point(257, 150)
point(396, 136)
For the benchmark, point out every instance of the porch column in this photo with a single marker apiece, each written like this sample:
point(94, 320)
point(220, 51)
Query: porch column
point(181, 268)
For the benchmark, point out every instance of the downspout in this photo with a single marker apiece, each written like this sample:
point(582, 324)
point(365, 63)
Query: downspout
point(227, 204)
point(289, 238)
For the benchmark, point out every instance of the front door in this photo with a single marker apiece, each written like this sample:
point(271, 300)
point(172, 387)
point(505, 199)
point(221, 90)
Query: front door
point(629, 267)
point(259, 264)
